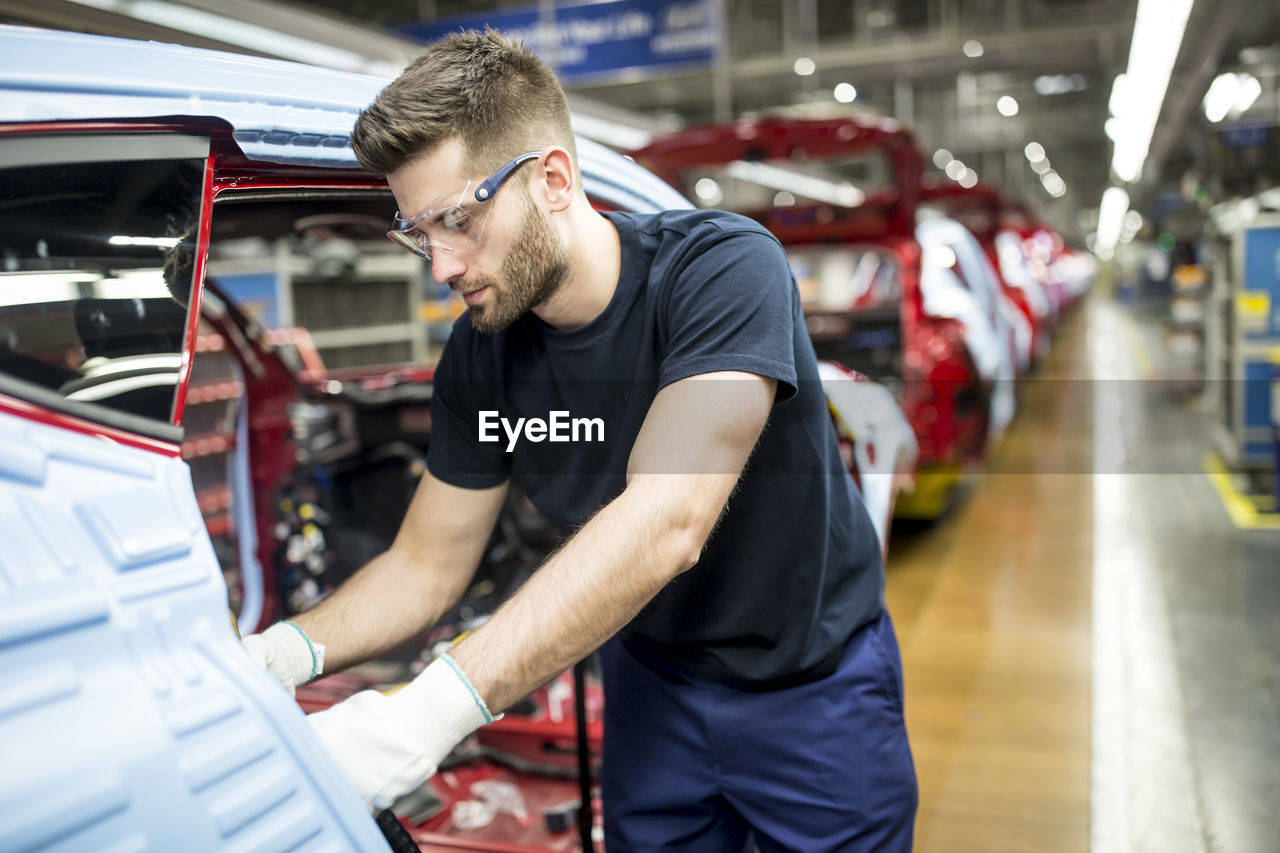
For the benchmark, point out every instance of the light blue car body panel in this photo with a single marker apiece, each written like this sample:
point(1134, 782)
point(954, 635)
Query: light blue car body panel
point(130, 718)
point(279, 112)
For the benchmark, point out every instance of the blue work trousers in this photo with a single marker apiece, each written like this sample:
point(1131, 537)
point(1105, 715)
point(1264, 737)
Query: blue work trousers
point(692, 765)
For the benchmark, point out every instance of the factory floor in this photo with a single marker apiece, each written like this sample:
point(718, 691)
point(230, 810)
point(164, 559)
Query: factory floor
point(1091, 644)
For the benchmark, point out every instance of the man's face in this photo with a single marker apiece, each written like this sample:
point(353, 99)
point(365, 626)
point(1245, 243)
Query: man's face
point(530, 259)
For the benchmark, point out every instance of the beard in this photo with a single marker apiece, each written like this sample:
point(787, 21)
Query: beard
point(532, 272)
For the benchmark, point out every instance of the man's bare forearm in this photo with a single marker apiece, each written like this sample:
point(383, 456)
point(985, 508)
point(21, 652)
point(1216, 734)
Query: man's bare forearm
point(380, 608)
point(596, 583)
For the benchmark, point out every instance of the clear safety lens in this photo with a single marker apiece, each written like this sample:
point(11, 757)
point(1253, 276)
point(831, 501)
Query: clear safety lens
point(452, 222)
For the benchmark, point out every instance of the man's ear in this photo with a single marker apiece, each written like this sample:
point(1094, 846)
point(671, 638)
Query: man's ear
point(559, 178)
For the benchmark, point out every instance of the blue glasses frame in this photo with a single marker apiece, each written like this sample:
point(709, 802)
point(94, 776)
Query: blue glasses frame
point(489, 187)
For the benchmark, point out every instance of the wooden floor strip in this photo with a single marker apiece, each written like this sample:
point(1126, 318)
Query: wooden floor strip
point(992, 608)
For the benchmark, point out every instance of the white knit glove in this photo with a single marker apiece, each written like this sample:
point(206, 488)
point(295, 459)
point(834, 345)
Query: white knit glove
point(287, 652)
point(388, 745)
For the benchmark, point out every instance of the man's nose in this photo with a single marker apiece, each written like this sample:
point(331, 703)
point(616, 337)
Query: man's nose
point(446, 266)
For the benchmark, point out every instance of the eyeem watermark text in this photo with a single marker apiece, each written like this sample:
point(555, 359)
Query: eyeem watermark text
point(558, 427)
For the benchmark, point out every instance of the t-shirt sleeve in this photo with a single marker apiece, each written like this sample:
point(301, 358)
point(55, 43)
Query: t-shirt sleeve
point(732, 307)
point(459, 396)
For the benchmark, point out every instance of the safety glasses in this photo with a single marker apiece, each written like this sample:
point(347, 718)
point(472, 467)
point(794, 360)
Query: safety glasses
point(454, 221)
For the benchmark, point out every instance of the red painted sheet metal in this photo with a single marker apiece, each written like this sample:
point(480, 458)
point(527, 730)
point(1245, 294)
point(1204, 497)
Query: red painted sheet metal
point(189, 340)
point(773, 138)
point(103, 126)
point(39, 414)
point(807, 139)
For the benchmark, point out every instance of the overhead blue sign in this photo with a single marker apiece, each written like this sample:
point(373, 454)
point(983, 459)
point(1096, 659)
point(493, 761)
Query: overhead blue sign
point(1244, 137)
point(590, 41)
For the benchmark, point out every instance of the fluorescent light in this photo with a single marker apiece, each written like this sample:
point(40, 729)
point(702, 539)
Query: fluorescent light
point(1221, 97)
point(969, 179)
point(706, 189)
point(1115, 203)
point(610, 132)
point(1007, 106)
point(1231, 95)
point(1157, 36)
point(805, 66)
point(1121, 95)
point(224, 29)
point(1248, 92)
point(28, 288)
point(845, 93)
point(159, 242)
point(818, 189)
point(973, 49)
point(955, 169)
point(942, 157)
point(1112, 128)
point(1034, 151)
point(1059, 84)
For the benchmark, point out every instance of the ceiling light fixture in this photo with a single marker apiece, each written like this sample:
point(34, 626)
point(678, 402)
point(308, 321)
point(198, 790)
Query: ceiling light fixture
point(1115, 203)
point(243, 34)
point(805, 66)
point(706, 189)
point(1007, 106)
point(777, 178)
point(610, 132)
point(1157, 37)
point(1231, 95)
point(973, 49)
point(1034, 151)
point(845, 93)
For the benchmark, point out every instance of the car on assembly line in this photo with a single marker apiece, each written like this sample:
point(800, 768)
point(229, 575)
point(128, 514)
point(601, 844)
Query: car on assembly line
point(982, 209)
point(203, 405)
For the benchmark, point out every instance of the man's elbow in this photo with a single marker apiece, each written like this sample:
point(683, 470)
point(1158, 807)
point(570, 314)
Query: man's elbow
point(687, 549)
point(680, 514)
point(688, 535)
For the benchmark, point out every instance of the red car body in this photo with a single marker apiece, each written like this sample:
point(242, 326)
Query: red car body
point(934, 376)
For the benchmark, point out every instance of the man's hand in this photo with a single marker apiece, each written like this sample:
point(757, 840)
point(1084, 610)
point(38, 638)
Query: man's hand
point(388, 745)
point(288, 653)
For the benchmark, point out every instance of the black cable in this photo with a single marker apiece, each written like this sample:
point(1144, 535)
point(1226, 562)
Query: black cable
point(398, 838)
point(586, 817)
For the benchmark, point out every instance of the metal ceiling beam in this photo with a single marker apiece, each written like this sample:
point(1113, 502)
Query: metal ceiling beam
point(74, 17)
point(939, 53)
point(372, 50)
point(373, 42)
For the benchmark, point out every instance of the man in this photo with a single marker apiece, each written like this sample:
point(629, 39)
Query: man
point(718, 550)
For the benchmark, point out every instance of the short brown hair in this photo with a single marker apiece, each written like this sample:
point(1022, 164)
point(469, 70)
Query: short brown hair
point(490, 91)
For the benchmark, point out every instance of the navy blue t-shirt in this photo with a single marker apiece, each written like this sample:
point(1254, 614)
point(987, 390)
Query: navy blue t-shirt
point(793, 567)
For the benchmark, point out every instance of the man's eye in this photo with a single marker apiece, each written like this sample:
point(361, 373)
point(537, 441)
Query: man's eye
point(455, 219)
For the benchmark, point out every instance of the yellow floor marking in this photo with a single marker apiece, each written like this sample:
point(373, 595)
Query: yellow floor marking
point(1242, 510)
